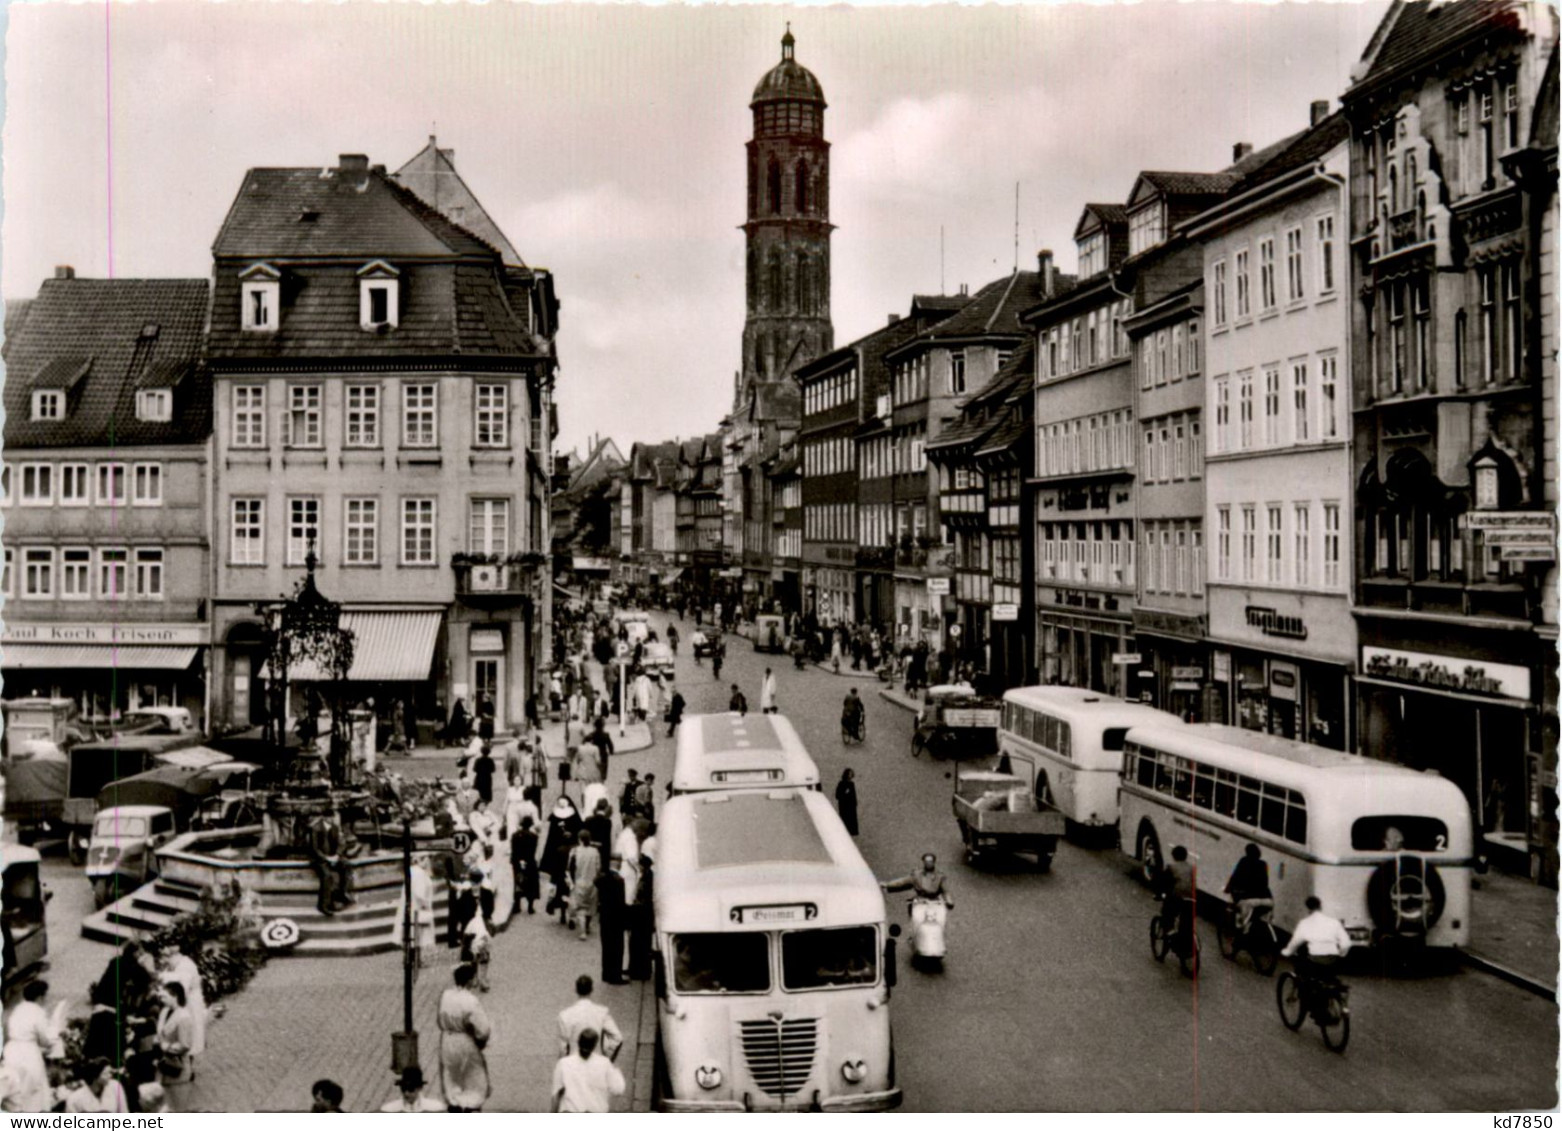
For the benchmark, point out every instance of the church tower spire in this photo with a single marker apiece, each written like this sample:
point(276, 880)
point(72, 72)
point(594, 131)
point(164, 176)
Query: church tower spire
point(788, 227)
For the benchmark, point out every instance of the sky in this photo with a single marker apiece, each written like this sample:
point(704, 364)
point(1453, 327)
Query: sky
point(608, 144)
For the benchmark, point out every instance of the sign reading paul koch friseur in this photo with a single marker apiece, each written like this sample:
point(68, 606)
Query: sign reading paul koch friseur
point(22, 633)
point(1446, 673)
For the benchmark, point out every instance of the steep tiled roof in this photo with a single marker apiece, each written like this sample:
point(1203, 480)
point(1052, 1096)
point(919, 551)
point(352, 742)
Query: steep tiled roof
point(1005, 437)
point(1190, 184)
point(104, 338)
point(15, 315)
point(965, 432)
point(1422, 29)
point(932, 303)
point(995, 309)
point(1300, 149)
point(431, 175)
point(365, 214)
point(1107, 214)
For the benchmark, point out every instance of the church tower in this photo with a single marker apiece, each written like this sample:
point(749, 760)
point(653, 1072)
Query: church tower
point(788, 226)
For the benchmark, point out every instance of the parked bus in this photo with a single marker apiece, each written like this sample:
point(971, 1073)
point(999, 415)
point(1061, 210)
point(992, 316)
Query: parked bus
point(1387, 849)
point(1068, 742)
point(772, 975)
point(732, 751)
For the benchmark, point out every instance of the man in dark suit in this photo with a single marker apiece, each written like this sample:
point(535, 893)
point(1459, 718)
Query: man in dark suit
point(330, 865)
point(610, 910)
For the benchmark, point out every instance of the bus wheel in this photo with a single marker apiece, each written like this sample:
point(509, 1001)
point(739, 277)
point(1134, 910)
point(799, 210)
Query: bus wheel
point(76, 848)
point(1149, 854)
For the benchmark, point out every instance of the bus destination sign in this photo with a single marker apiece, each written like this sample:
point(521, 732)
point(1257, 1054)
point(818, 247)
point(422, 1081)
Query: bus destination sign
point(768, 913)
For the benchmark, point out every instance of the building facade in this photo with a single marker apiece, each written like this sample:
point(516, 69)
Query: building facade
point(1456, 527)
point(106, 483)
point(380, 379)
point(831, 396)
point(1277, 474)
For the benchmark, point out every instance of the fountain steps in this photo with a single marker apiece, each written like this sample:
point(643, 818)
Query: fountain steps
point(369, 927)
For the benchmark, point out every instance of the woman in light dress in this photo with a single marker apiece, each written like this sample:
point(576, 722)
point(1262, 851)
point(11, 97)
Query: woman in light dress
point(175, 1037)
point(464, 1030)
point(181, 968)
point(31, 1034)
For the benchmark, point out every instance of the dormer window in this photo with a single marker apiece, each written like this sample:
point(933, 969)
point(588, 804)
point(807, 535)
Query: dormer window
point(1146, 229)
point(48, 404)
point(154, 405)
point(260, 298)
point(378, 294)
point(1092, 255)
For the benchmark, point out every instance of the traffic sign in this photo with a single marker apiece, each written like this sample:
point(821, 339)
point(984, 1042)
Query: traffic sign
point(955, 630)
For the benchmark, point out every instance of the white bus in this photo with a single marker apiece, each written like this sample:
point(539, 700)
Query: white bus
point(771, 966)
point(1387, 849)
point(732, 751)
point(1068, 742)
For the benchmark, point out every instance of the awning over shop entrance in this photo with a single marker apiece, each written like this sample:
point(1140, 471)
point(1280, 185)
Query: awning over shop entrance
point(143, 657)
point(387, 648)
point(672, 575)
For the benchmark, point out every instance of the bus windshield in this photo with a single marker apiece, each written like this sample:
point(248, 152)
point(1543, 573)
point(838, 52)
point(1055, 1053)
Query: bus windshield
point(1399, 833)
point(721, 964)
point(845, 956)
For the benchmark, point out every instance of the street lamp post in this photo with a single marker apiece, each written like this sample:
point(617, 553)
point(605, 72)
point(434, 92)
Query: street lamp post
point(404, 1045)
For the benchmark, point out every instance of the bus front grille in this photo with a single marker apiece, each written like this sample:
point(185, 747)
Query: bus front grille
point(780, 1054)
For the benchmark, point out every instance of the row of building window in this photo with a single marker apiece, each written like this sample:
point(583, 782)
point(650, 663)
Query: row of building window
point(1301, 405)
point(1324, 273)
point(303, 420)
point(830, 392)
point(830, 522)
point(830, 456)
point(1281, 553)
point(1089, 340)
point(1099, 442)
point(1173, 449)
point(1170, 355)
point(789, 544)
point(911, 379)
point(1173, 560)
point(1411, 362)
point(82, 484)
point(488, 529)
point(156, 405)
point(875, 524)
point(1091, 553)
point(80, 573)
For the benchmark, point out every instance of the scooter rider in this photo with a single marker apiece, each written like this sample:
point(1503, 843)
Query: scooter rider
point(851, 712)
point(927, 884)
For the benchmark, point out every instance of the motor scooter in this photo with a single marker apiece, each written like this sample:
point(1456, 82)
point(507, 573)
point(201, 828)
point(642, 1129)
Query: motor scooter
point(928, 917)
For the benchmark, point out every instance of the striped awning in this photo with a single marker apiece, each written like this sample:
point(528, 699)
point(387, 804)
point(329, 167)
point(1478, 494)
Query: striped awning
point(128, 656)
point(387, 648)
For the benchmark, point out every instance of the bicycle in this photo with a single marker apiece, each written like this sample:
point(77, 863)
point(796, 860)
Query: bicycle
point(1259, 938)
point(1325, 999)
point(1183, 941)
point(854, 730)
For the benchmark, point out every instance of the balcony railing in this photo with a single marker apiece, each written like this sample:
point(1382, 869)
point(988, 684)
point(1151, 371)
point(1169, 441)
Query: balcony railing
point(502, 579)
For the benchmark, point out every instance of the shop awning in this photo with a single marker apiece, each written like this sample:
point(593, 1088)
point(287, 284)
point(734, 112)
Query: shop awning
point(143, 657)
point(387, 648)
point(672, 575)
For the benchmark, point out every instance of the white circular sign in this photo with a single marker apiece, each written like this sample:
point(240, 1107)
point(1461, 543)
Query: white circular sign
point(279, 934)
point(954, 630)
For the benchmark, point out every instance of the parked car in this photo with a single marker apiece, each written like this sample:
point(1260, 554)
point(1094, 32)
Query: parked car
point(25, 930)
point(92, 766)
point(657, 658)
point(120, 856)
point(51, 720)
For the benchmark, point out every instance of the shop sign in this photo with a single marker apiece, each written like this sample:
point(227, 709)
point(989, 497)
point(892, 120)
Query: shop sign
point(778, 575)
point(1127, 658)
point(21, 633)
point(1282, 682)
point(1156, 622)
point(1006, 612)
point(1186, 673)
point(487, 640)
point(1222, 662)
point(1272, 623)
point(1447, 673)
point(1528, 552)
point(1542, 523)
point(938, 586)
point(1184, 685)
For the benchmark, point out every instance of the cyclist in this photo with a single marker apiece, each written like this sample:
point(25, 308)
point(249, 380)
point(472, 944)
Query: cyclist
point(1317, 944)
point(1248, 886)
point(851, 714)
point(1179, 882)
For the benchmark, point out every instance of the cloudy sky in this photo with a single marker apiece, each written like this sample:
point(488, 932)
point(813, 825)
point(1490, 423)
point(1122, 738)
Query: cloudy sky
point(608, 143)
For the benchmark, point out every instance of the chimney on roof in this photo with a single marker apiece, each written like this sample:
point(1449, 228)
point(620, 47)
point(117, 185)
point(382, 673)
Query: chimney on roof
point(353, 163)
point(1047, 270)
point(380, 169)
point(964, 290)
point(1240, 150)
point(1320, 111)
point(893, 318)
point(65, 271)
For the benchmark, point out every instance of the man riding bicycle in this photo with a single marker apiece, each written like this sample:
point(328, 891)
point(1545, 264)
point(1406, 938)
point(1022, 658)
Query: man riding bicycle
point(1317, 944)
point(1248, 886)
point(1178, 884)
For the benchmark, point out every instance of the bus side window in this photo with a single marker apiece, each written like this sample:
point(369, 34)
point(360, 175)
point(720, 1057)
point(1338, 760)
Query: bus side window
point(1272, 816)
point(1247, 801)
point(1203, 786)
point(1146, 776)
point(1225, 793)
point(1065, 740)
point(1047, 733)
point(1182, 788)
point(1296, 819)
point(1163, 774)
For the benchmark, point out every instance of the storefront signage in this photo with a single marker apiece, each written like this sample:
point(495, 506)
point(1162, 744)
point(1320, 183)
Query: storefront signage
point(1161, 623)
point(1184, 685)
point(1543, 523)
point(487, 640)
point(1187, 673)
point(19, 633)
point(1272, 623)
point(1127, 658)
point(937, 586)
point(1282, 682)
point(1528, 552)
point(1222, 662)
point(1447, 673)
point(1006, 612)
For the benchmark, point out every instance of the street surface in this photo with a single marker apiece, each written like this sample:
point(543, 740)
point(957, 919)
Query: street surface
point(1050, 999)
